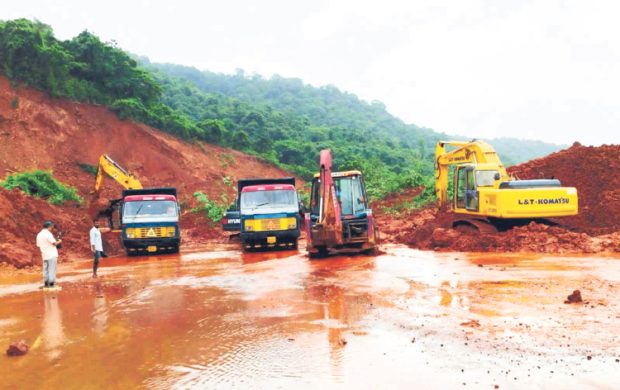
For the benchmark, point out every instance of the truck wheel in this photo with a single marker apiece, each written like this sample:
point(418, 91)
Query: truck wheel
point(322, 253)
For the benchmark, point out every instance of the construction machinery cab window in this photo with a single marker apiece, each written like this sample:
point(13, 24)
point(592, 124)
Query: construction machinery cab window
point(350, 195)
point(149, 209)
point(349, 192)
point(486, 178)
point(466, 186)
point(268, 199)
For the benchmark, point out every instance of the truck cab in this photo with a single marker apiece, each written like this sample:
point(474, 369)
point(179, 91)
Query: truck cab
point(150, 220)
point(266, 213)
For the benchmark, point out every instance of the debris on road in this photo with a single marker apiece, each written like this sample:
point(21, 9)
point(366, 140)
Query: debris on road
point(575, 297)
point(18, 348)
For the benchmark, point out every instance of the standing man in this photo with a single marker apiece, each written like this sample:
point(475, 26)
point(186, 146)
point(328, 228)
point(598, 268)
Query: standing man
point(49, 253)
point(96, 245)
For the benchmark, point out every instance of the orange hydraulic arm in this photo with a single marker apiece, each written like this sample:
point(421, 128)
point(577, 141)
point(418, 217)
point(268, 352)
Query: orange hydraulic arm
point(478, 152)
point(328, 229)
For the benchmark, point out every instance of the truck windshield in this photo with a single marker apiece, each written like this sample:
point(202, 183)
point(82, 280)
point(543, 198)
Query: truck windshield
point(268, 199)
point(150, 208)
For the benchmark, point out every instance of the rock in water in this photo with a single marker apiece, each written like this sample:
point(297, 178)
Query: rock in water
point(575, 297)
point(18, 348)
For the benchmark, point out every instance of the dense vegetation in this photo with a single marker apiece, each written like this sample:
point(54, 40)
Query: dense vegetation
point(41, 184)
point(280, 120)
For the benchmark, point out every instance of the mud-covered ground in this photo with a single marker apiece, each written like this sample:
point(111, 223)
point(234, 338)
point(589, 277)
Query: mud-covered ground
point(220, 318)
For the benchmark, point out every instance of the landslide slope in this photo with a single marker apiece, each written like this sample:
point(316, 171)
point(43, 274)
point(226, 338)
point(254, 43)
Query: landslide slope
point(37, 132)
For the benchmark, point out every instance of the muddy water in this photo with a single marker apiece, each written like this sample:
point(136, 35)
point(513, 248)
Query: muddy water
point(220, 318)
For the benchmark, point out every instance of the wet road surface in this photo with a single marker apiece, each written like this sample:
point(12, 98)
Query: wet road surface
point(221, 318)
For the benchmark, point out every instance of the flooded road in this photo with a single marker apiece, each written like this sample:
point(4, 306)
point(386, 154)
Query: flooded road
point(221, 318)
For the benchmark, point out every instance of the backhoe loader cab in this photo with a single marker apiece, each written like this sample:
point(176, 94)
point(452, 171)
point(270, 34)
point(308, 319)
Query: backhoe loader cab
point(350, 192)
point(353, 228)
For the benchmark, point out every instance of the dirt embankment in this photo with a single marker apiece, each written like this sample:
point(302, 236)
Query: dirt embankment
point(37, 132)
point(595, 229)
point(594, 172)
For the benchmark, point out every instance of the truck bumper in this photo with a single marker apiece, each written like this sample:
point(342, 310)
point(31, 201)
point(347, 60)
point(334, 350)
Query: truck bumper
point(270, 238)
point(151, 245)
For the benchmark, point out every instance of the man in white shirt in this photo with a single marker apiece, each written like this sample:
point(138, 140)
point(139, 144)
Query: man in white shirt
point(96, 245)
point(49, 253)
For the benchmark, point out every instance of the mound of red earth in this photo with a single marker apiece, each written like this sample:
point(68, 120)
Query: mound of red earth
point(38, 132)
point(596, 229)
point(594, 172)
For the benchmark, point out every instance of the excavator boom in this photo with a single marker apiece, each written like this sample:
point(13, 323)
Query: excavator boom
point(116, 172)
point(329, 224)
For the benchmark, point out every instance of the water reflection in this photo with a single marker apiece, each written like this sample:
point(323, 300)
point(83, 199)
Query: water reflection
point(100, 312)
point(52, 330)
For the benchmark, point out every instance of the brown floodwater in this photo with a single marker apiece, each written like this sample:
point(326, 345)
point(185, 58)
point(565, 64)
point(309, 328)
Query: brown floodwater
point(220, 318)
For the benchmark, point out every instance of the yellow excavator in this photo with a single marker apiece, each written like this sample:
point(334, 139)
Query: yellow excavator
point(486, 198)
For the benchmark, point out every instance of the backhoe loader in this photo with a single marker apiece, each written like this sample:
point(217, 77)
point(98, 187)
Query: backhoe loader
point(487, 199)
point(148, 218)
point(339, 216)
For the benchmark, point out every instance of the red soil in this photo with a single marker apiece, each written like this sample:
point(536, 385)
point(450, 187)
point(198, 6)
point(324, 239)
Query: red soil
point(58, 135)
point(594, 172)
point(596, 229)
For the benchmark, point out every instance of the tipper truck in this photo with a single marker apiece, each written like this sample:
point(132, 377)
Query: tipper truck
point(148, 218)
point(266, 213)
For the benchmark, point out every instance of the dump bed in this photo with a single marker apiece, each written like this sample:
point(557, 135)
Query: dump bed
point(152, 191)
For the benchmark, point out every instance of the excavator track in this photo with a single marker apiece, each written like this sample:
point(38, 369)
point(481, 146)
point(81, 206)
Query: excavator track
point(474, 226)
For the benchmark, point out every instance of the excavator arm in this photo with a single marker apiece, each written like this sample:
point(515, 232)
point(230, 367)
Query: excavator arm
point(328, 229)
point(116, 172)
point(121, 176)
point(478, 152)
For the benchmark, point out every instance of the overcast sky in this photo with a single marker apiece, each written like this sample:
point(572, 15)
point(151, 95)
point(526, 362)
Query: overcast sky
point(543, 69)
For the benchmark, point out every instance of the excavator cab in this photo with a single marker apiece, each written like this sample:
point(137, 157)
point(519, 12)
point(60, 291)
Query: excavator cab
point(467, 179)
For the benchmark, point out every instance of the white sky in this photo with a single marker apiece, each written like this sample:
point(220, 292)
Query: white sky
point(541, 69)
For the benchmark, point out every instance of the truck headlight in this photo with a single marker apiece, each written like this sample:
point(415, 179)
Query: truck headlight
point(130, 233)
point(171, 231)
point(249, 227)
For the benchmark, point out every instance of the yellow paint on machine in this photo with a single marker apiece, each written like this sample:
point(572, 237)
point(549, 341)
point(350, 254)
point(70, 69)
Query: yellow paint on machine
point(527, 203)
point(151, 232)
point(270, 224)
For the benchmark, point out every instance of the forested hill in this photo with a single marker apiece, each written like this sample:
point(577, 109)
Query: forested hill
point(282, 121)
point(328, 106)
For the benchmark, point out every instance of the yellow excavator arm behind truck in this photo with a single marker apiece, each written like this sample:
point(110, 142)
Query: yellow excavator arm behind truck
point(116, 172)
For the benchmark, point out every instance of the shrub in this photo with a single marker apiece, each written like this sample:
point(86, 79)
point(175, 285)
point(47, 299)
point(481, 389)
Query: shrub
point(90, 169)
point(212, 209)
point(41, 184)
